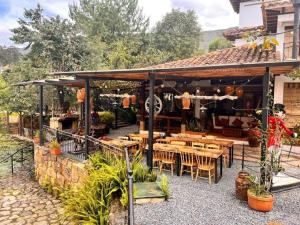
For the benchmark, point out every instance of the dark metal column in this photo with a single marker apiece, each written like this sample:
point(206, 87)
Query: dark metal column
point(295, 51)
point(142, 106)
point(151, 122)
point(41, 115)
point(265, 111)
point(87, 116)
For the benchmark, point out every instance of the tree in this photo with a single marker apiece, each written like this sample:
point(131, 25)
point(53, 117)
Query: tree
point(111, 20)
point(219, 43)
point(54, 40)
point(9, 55)
point(178, 34)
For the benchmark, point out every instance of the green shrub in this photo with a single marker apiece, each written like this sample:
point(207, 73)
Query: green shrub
point(164, 184)
point(107, 118)
point(90, 203)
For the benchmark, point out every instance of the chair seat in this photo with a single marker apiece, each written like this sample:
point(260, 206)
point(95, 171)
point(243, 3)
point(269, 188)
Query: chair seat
point(205, 167)
point(189, 164)
point(169, 161)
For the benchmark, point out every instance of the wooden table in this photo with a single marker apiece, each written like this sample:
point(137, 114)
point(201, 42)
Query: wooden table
point(121, 144)
point(222, 143)
point(214, 154)
point(145, 137)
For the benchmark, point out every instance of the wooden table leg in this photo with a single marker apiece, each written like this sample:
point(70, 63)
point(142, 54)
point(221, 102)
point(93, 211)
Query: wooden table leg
point(230, 159)
point(216, 170)
point(218, 177)
point(178, 162)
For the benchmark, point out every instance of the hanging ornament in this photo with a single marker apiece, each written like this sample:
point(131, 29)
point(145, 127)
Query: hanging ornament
point(126, 101)
point(157, 105)
point(239, 92)
point(133, 99)
point(186, 101)
point(229, 90)
point(81, 95)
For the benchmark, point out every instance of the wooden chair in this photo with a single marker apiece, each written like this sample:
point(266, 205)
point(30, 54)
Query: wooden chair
point(138, 139)
point(204, 163)
point(157, 157)
point(187, 159)
point(167, 158)
point(198, 145)
point(162, 141)
point(181, 143)
point(213, 147)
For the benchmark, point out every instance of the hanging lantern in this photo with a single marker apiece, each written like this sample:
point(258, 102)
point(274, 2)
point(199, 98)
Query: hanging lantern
point(133, 99)
point(186, 101)
point(81, 95)
point(229, 90)
point(126, 101)
point(239, 92)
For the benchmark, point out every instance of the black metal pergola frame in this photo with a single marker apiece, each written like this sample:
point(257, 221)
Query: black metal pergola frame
point(265, 70)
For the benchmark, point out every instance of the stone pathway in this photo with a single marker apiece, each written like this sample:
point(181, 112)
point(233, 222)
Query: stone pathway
point(24, 202)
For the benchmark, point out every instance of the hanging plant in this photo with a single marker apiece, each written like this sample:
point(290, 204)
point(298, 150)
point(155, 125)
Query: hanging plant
point(262, 43)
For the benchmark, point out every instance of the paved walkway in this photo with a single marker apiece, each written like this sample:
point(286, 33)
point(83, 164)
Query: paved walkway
point(24, 202)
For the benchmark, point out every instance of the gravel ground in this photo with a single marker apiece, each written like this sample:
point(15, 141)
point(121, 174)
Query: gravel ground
point(194, 203)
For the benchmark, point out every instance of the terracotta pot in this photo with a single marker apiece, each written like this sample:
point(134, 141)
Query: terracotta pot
point(81, 95)
point(186, 102)
point(126, 102)
point(229, 90)
point(55, 151)
point(260, 203)
point(242, 185)
point(36, 140)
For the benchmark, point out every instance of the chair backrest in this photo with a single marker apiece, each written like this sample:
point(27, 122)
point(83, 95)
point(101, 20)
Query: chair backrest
point(162, 141)
point(182, 143)
point(198, 145)
point(167, 155)
point(157, 154)
point(203, 160)
point(139, 139)
point(187, 157)
point(210, 137)
point(213, 146)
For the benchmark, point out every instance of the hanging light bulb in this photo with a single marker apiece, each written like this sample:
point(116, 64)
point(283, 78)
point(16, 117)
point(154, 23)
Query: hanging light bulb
point(218, 90)
point(126, 101)
point(197, 91)
point(162, 85)
point(203, 109)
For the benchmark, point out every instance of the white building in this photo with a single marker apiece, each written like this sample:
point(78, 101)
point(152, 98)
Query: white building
point(273, 18)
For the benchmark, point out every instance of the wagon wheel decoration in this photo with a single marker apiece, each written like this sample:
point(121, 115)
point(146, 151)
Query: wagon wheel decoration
point(157, 105)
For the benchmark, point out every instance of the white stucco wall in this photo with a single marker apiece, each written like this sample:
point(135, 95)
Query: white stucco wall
point(250, 14)
point(279, 87)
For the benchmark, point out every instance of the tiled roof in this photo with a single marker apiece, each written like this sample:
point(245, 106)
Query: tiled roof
point(236, 33)
point(241, 54)
point(278, 4)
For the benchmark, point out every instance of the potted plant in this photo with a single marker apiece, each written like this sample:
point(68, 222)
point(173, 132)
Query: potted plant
point(259, 196)
point(55, 147)
point(254, 137)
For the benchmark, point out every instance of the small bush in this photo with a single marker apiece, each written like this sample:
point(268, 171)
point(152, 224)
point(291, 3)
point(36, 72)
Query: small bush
point(165, 186)
point(107, 118)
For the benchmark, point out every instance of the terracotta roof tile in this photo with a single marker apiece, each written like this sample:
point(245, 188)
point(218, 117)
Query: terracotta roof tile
point(236, 33)
point(278, 4)
point(241, 54)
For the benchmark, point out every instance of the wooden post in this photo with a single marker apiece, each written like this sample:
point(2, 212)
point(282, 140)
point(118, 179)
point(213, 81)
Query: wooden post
point(295, 50)
point(183, 121)
point(41, 115)
point(142, 106)
point(87, 116)
point(151, 122)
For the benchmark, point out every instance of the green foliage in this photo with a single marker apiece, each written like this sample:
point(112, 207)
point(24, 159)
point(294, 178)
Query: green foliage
point(219, 43)
point(107, 118)
point(164, 184)
point(53, 40)
point(9, 55)
point(90, 203)
point(178, 34)
point(54, 144)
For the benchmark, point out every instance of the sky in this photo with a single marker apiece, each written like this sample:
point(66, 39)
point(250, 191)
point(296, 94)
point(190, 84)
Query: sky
point(212, 14)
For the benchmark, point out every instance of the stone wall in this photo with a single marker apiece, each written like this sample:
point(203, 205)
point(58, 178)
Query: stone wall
point(60, 171)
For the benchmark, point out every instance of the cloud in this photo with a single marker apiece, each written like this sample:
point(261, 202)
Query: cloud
point(212, 14)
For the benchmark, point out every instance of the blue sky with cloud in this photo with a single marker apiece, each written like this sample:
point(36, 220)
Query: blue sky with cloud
point(213, 14)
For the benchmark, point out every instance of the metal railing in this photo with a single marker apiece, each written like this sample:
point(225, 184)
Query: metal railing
point(71, 144)
point(19, 156)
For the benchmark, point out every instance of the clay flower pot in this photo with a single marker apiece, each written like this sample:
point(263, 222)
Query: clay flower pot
point(260, 203)
point(55, 151)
